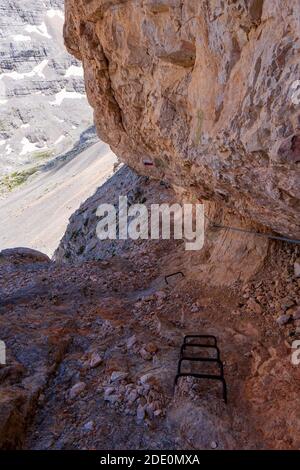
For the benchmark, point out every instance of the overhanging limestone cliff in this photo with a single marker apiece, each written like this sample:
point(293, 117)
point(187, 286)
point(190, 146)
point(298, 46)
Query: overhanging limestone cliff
point(204, 91)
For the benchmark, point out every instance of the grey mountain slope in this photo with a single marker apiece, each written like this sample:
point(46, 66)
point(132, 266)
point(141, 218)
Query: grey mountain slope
point(36, 215)
point(43, 107)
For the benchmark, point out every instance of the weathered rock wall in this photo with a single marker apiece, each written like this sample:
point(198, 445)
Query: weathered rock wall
point(202, 94)
point(228, 256)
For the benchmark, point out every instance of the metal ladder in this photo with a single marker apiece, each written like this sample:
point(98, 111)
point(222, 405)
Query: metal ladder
point(185, 357)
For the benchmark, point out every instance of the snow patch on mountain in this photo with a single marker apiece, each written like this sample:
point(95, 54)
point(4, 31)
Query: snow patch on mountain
point(55, 13)
point(20, 37)
point(41, 85)
point(59, 140)
point(30, 147)
point(64, 94)
point(41, 29)
point(37, 70)
point(74, 71)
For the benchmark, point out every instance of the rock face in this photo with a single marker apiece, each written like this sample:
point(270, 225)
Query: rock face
point(21, 256)
point(42, 96)
point(204, 95)
point(80, 241)
point(225, 257)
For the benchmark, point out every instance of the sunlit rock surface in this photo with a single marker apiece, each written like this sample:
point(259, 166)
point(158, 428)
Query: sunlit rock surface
point(201, 94)
point(43, 108)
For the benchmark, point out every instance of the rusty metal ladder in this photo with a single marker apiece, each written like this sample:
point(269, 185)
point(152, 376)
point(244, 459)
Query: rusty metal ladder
point(185, 357)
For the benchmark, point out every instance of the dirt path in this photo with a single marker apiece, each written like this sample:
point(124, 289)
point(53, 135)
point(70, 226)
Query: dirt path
point(103, 313)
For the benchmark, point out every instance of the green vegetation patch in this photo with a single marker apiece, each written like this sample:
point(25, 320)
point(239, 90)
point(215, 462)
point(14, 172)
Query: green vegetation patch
point(42, 155)
point(3, 126)
point(15, 179)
